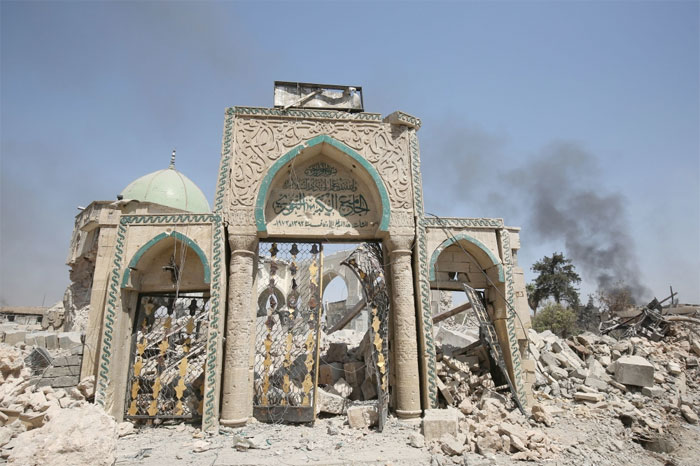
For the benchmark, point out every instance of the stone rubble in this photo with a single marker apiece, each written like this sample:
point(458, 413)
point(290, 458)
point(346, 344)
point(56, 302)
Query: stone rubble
point(634, 385)
point(644, 384)
point(40, 424)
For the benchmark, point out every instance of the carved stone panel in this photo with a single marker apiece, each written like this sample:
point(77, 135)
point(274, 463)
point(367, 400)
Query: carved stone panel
point(323, 195)
point(259, 142)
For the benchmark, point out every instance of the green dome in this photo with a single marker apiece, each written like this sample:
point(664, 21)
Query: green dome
point(170, 188)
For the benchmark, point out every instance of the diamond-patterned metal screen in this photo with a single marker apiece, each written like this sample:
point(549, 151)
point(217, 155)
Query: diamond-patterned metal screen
point(287, 331)
point(366, 262)
point(166, 372)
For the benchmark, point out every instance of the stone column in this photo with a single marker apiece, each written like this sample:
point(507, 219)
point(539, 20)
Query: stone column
point(403, 312)
point(237, 400)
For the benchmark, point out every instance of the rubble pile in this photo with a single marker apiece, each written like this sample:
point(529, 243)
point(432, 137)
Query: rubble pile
point(26, 406)
point(344, 372)
point(644, 384)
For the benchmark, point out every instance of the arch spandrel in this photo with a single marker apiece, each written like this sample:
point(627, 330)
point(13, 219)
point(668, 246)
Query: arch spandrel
point(483, 255)
point(322, 188)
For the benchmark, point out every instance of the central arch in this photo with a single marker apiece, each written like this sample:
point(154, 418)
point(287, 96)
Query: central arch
point(337, 147)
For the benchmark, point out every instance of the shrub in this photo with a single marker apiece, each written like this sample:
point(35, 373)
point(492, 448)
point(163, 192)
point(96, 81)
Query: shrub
point(557, 318)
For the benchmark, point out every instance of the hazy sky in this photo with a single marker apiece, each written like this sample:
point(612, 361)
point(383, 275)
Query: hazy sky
point(578, 121)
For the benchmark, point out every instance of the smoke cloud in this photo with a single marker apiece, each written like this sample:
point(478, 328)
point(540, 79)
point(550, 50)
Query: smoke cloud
point(555, 194)
point(559, 190)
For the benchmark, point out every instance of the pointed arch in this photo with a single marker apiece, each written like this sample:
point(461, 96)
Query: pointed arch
point(174, 234)
point(289, 156)
point(470, 239)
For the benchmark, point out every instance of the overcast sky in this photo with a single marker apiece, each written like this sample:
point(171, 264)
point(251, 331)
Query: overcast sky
point(578, 121)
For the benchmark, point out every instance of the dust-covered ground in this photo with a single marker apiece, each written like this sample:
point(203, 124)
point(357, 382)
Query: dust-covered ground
point(585, 437)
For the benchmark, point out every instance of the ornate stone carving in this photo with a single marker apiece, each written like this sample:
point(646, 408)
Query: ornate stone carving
point(514, 349)
point(423, 290)
point(402, 219)
point(463, 222)
point(260, 142)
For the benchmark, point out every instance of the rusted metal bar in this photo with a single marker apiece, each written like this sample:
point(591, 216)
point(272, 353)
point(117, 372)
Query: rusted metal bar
point(349, 316)
point(452, 312)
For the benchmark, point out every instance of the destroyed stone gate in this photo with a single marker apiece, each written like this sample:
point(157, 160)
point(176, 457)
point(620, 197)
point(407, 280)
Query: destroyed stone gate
point(174, 287)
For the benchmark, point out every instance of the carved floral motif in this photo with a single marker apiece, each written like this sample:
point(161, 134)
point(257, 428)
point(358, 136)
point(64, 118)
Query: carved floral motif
point(260, 142)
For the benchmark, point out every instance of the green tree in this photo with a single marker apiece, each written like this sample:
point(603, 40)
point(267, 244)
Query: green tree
point(588, 316)
point(557, 318)
point(557, 279)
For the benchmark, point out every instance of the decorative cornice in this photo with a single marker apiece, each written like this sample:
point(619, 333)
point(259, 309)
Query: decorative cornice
point(226, 145)
point(170, 218)
point(297, 113)
point(456, 222)
point(403, 119)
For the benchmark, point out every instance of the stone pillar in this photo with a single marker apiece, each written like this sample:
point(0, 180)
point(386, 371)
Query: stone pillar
point(237, 399)
point(100, 282)
point(403, 312)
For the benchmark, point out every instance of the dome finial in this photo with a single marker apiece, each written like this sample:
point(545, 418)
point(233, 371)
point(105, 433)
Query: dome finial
point(172, 160)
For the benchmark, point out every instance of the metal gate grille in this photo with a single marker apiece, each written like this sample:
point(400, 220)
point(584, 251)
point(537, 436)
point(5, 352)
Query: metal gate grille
point(366, 262)
point(287, 331)
point(166, 373)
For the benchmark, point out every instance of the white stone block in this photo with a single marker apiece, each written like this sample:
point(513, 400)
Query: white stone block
point(634, 370)
point(438, 422)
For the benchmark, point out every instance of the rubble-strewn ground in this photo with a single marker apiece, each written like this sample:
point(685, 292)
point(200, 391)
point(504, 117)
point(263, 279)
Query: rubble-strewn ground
point(599, 401)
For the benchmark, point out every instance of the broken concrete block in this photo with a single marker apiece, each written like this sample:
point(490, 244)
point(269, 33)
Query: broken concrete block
point(36, 339)
point(596, 383)
point(451, 446)
point(542, 415)
point(517, 443)
point(69, 340)
point(558, 346)
point(369, 389)
point(354, 372)
point(594, 397)
point(689, 414)
point(654, 392)
point(466, 407)
point(51, 341)
point(512, 430)
point(341, 388)
point(634, 370)
point(548, 359)
point(695, 346)
point(360, 417)
point(12, 337)
point(587, 339)
point(329, 374)
point(416, 440)
point(446, 392)
point(329, 403)
point(673, 368)
point(125, 428)
point(455, 339)
point(337, 352)
point(535, 338)
point(438, 422)
point(558, 373)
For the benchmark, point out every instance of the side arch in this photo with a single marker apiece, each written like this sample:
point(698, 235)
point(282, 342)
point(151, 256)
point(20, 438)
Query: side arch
point(289, 156)
point(174, 234)
point(470, 239)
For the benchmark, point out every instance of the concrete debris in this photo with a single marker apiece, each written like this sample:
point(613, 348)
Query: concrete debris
point(634, 370)
point(689, 414)
point(76, 436)
point(362, 416)
point(438, 422)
